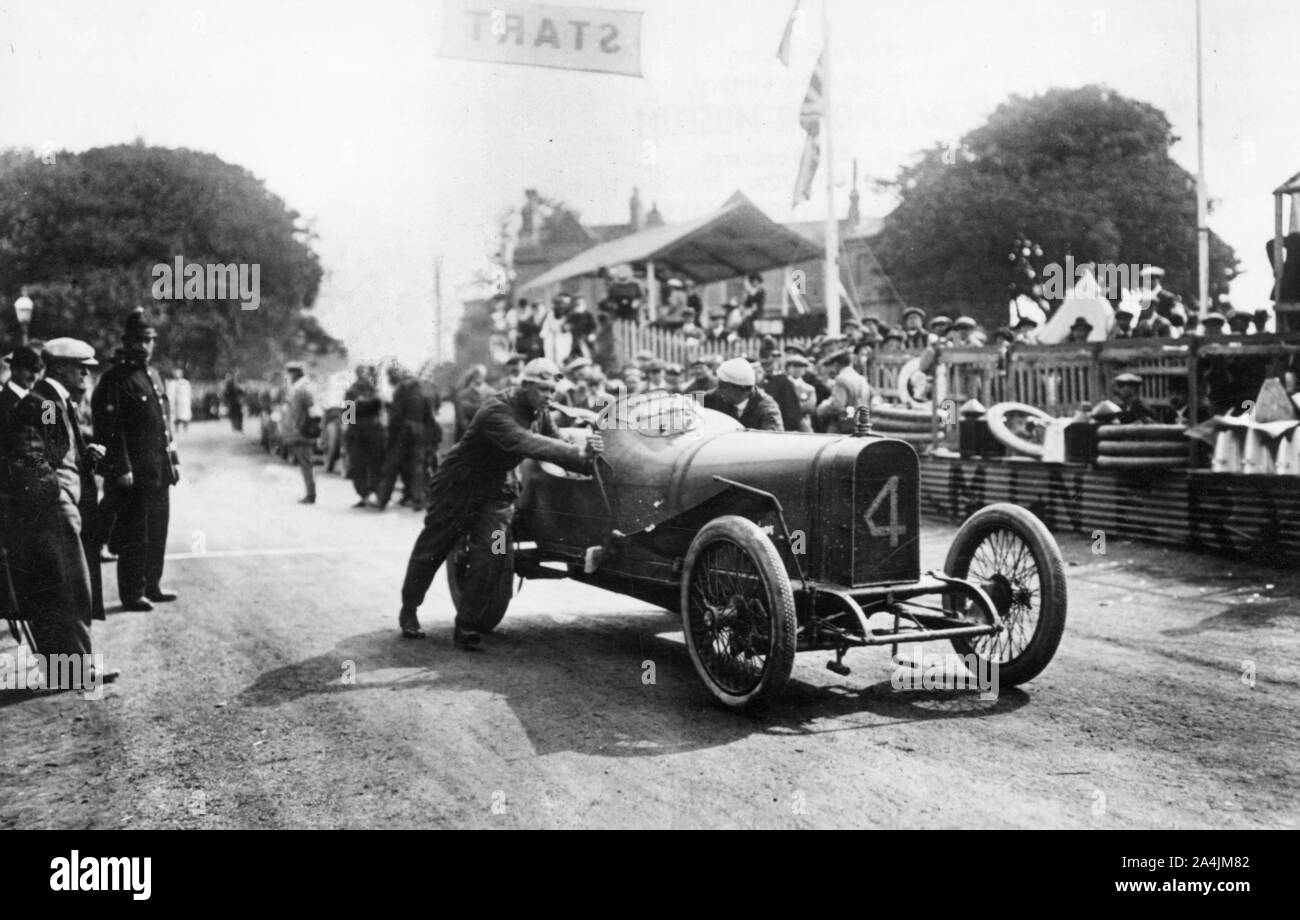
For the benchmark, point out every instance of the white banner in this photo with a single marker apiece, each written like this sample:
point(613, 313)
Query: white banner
point(568, 37)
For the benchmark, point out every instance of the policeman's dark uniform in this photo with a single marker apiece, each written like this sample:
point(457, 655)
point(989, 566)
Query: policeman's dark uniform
point(474, 490)
point(131, 418)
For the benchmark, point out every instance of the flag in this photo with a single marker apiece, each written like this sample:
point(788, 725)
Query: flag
point(783, 50)
point(810, 114)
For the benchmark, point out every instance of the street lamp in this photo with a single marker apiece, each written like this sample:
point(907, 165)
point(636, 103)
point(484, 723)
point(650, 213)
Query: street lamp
point(23, 307)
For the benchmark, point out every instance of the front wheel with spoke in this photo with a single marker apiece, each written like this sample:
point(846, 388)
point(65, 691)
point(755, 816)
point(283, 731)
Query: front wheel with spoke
point(1012, 555)
point(738, 613)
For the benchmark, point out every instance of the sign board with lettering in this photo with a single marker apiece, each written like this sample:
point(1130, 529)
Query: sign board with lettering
point(568, 37)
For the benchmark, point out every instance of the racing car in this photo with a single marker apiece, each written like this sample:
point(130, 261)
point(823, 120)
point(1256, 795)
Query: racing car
point(769, 544)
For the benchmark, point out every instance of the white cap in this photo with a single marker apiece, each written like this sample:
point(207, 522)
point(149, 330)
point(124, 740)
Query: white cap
point(541, 370)
point(738, 371)
point(65, 349)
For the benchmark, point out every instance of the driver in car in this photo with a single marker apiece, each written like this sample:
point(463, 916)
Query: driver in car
point(474, 490)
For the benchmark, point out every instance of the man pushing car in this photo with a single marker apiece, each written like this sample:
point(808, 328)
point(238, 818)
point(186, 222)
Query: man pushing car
point(474, 490)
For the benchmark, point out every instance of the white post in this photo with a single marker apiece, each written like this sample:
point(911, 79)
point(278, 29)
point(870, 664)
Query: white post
point(652, 290)
point(831, 274)
point(1202, 202)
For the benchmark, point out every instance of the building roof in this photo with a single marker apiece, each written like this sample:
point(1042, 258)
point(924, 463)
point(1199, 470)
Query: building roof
point(736, 239)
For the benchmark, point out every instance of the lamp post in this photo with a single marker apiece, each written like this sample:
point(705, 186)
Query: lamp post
point(23, 307)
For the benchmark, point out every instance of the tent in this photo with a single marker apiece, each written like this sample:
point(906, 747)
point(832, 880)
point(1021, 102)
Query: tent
point(734, 240)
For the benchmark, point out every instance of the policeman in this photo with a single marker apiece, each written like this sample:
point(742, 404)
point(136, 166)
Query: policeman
point(131, 421)
point(737, 395)
point(474, 491)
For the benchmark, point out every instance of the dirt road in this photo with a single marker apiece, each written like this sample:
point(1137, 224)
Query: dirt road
point(277, 693)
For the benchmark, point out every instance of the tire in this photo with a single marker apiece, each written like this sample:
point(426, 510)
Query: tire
point(481, 614)
point(1143, 463)
point(903, 389)
point(730, 561)
point(985, 550)
point(997, 422)
point(1167, 449)
point(1142, 433)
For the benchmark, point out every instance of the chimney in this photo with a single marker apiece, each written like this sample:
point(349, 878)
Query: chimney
point(635, 205)
point(654, 218)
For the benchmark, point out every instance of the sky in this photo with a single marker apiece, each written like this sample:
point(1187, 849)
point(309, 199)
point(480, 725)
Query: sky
point(398, 157)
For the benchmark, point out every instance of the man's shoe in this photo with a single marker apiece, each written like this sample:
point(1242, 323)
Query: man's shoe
point(409, 623)
point(137, 604)
point(466, 638)
point(106, 676)
point(361, 504)
point(307, 500)
point(159, 596)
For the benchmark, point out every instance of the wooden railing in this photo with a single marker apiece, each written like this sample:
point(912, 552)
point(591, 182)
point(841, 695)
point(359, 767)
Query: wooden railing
point(1056, 378)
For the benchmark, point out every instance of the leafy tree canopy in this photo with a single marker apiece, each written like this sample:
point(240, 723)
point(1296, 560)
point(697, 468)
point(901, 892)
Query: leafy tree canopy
point(82, 233)
point(1083, 172)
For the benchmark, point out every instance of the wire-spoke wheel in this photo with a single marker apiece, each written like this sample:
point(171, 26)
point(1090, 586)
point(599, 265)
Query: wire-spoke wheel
point(738, 613)
point(1012, 555)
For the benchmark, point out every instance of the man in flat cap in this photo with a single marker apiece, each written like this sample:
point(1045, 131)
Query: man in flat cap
point(473, 493)
point(796, 366)
point(776, 384)
point(1132, 410)
point(914, 334)
point(849, 390)
point(61, 391)
point(737, 396)
point(132, 422)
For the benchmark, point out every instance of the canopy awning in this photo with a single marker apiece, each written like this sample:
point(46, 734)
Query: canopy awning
point(1289, 187)
point(735, 240)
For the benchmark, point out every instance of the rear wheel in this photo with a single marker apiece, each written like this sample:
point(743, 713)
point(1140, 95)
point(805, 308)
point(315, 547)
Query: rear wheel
point(738, 613)
point(481, 584)
point(1012, 555)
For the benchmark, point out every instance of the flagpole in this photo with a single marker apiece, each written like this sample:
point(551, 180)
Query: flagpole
point(1202, 198)
point(831, 276)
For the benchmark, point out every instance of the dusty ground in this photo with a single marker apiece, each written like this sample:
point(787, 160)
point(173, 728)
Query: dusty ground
point(233, 710)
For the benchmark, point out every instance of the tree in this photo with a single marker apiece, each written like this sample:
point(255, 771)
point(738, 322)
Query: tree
point(83, 232)
point(1083, 172)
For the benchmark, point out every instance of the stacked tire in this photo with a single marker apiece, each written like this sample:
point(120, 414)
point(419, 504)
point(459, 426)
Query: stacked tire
point(1142, 447)
point(915, 426)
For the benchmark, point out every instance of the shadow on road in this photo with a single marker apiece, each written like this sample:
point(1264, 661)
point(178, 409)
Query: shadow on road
point(611, 685)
